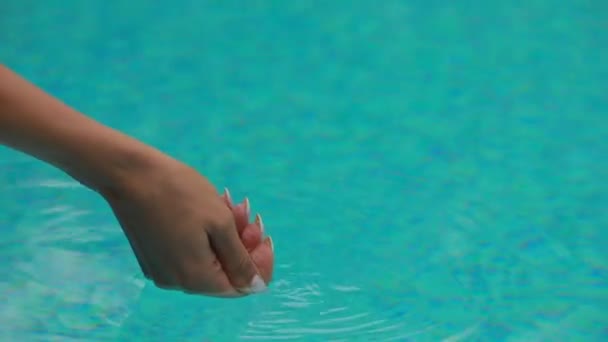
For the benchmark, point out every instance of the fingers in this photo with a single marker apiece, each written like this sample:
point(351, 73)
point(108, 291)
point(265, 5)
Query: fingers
point(235, 260)
point(261, 250)
point(227, 198)
point(203, 273)
point(215, 279)
point(263, 257)
point(241, 212)
point(251, 236)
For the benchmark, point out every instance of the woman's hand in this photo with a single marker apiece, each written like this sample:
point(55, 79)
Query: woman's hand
point(188, 237)
point(184, 235)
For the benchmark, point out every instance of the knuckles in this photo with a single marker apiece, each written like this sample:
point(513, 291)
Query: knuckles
point(220, 221)
point(196, 278)
point(193, 275)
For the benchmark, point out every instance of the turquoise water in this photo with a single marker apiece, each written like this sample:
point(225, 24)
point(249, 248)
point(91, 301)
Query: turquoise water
point(428, 170)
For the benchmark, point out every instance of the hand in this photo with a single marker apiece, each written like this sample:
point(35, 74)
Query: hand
point(186, 237)
point(251, 234)
point(182, 233)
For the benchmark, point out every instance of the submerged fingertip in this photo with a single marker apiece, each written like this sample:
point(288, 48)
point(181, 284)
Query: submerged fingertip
point(257, 285)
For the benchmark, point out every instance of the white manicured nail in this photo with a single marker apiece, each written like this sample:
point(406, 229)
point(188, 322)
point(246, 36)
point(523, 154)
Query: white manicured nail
point(228, 197)
point(259, 222)
point(257, 285)
point(247, 208)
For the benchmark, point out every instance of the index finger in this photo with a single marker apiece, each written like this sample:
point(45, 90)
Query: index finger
point(235, 260)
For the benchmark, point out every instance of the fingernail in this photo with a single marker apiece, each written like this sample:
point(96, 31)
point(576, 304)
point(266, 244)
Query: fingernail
point(257, 285)
point(259, 222)
point(270, 243)
point(247, 209)
point(228, 197)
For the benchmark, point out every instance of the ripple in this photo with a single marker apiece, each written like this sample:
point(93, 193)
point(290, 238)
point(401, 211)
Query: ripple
point(52, 183)
point(328, 312)
point(65, 274)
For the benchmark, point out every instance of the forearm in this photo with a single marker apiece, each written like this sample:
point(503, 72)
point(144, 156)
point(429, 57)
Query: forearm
point(37, 124)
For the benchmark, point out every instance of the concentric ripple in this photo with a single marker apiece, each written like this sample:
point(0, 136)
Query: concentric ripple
point(333, 312)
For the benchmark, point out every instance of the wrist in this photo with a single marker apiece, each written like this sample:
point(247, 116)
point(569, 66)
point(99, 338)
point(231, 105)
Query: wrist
point(40, 125)
point(108, 162)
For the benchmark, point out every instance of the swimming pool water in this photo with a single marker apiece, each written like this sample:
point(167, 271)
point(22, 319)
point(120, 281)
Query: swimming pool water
point(428, 170)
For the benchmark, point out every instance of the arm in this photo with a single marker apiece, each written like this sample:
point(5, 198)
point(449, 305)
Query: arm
point(171, 215)
point(35, 123)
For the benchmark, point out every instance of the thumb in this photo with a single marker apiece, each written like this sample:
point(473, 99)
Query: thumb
point(235, 260)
